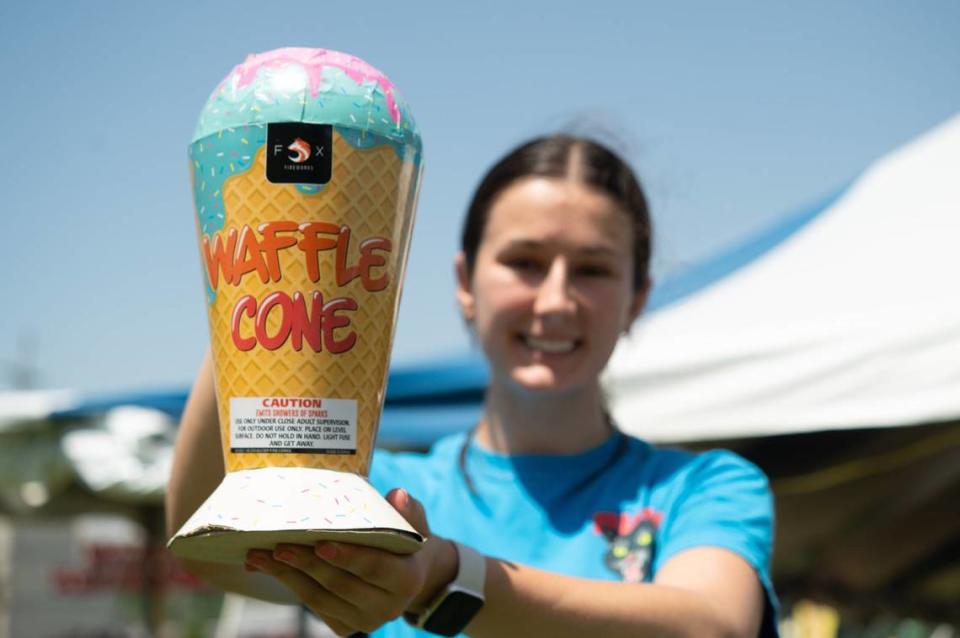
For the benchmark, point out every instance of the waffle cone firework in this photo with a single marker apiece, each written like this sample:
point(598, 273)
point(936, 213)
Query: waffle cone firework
point(277, 369)
point(305, 170)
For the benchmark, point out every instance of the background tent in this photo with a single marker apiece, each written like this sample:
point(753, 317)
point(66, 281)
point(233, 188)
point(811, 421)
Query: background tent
point(812, 348)
point(845, 316)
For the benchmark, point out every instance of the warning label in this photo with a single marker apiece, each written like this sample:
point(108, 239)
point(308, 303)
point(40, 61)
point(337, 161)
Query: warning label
point(290, 425)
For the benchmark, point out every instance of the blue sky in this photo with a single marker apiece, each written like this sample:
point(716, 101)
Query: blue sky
point(734, 114)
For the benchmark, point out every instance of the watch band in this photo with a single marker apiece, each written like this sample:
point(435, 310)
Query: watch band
point(472, 570)
point(453, 608)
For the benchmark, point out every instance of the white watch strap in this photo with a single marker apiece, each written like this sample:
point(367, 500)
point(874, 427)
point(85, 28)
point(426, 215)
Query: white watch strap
point(472, 572)
point(471, 577)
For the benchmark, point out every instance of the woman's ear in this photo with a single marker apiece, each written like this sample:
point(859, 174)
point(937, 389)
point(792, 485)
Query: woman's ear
point(637, 304)
point(465, 297)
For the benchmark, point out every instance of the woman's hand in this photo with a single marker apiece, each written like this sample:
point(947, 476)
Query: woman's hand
point(356, 588)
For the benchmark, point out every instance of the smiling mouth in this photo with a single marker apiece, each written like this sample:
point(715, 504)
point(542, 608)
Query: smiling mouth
point(550, 346)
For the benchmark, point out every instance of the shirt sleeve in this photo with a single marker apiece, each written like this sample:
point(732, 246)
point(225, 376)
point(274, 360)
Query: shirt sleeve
point(725, 501)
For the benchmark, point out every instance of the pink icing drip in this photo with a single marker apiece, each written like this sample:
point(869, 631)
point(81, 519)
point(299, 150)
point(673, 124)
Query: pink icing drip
point(314, 60)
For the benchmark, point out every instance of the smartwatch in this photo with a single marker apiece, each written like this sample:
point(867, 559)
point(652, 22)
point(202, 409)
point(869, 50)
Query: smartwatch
point(455, 606)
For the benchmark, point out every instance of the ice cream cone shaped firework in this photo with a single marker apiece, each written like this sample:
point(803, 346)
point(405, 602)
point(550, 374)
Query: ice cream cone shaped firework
point(305, 168)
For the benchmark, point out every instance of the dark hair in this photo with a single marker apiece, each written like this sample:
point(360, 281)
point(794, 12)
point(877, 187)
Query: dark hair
point(579, 158)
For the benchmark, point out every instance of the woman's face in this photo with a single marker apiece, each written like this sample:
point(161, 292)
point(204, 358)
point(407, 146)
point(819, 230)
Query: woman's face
point(552, 286)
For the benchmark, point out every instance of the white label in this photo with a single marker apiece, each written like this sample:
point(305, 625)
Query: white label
point(309, 425)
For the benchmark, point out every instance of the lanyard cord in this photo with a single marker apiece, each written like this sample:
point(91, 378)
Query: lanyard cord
point(622, 441)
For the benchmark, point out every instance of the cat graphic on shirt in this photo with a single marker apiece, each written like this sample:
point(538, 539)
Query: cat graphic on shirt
point(631, 540)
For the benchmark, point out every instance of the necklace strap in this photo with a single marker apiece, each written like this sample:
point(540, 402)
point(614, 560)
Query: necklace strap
point(619, 451)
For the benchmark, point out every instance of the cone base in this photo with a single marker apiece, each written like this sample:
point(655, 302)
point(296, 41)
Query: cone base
point(260, 508)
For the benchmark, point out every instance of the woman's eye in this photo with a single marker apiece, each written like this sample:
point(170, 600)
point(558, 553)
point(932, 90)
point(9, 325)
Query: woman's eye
point(593, 270)
point(521, 263)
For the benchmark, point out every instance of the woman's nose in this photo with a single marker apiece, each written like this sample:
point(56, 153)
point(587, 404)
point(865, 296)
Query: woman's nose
point(553, 292)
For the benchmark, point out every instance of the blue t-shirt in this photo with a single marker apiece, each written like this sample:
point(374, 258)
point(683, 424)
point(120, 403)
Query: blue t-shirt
point(616, 512)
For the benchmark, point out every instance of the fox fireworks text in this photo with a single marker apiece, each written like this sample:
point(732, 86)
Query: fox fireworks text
point(304, 317)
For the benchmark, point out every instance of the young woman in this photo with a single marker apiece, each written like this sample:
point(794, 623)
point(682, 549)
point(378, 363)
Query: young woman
point(566, 526)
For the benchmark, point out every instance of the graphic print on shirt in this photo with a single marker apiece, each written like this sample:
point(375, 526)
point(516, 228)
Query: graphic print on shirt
point(632, 541)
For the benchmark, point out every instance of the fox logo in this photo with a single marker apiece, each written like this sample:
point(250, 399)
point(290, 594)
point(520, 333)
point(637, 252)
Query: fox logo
point(632, 540)
point(301, 151)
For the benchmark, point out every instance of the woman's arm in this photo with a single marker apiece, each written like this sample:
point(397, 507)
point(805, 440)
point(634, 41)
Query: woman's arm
point(702, 592)
point(197, 471)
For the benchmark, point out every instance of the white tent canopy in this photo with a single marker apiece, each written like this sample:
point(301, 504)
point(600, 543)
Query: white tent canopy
point(852, 320)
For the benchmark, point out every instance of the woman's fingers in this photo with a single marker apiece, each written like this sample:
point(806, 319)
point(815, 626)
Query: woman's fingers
point(332, 609)
point(398, 576)
point(329, 590)
point(352, 587)
point(308, 589)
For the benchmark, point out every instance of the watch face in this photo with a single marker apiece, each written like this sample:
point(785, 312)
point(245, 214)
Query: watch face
point(453, 614)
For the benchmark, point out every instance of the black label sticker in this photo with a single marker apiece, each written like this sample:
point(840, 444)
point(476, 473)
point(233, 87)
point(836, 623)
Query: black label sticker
point(299, 153)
